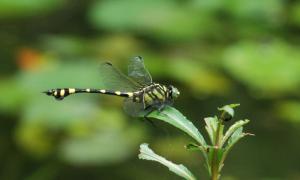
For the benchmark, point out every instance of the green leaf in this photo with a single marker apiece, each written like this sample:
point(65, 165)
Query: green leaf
point(238, 133)
point(147, 154)
point(228, 111)
point(211, 127)
point(175, 118)
point(235, 137)
point(233, 129)
point(193, 147)
point(220, 156)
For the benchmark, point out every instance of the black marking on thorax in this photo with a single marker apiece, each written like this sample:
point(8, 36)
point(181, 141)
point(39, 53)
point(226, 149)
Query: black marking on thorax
point(152, 94)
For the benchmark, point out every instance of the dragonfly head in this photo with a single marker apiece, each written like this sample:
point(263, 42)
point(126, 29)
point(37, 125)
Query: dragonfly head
point(174, 92)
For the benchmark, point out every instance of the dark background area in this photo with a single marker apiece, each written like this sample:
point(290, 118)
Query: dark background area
point(216, 52)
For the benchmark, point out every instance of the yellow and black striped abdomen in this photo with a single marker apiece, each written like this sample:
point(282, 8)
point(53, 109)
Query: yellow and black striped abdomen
point(152, 95)
point(61, 93)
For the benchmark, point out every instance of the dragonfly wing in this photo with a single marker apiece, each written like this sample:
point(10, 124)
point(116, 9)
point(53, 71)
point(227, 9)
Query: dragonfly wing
point(133, 108)
point(113, 79)
point(138, 72)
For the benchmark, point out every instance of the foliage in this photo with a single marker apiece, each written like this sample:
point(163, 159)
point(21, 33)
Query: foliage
point(214, 154)
point(147, 154)
point(214, 51)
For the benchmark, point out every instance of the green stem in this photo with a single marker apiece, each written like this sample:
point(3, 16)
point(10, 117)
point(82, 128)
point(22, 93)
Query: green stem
point(215, 164)
point(215, 176)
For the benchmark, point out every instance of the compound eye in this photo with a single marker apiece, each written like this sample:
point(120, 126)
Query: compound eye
point(175, 92)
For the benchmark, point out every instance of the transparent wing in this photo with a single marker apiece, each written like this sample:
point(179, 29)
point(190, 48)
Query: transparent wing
point(138, 72)
point(113, 79)
point(132, 108)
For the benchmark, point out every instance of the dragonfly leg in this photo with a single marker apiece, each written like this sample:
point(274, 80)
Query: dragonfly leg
point(149, 110)
point(161, 107)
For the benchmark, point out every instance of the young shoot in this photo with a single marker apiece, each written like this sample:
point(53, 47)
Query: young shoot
point(214, 152)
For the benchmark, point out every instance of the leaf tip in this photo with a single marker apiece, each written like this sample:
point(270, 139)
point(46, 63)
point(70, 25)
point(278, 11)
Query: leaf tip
point(249, 134)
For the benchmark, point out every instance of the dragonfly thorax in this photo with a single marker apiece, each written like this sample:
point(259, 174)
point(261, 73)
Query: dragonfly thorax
point(156, 94)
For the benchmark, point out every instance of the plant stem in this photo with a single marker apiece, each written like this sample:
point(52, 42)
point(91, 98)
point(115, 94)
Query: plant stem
point(215, 162)
point(215, 176)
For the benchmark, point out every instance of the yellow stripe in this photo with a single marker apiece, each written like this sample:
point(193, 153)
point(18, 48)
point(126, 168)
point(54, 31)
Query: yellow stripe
point(160, 96)
point(102, 91)
point(165, 88)
point(130, 94)
point(62, 92)
point(147, 98)
point(55, 93)
point(118, 93)
point(88, 90)
point(71, 90)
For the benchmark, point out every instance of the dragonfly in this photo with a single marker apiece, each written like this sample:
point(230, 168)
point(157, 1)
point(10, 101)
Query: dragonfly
point(142, 95)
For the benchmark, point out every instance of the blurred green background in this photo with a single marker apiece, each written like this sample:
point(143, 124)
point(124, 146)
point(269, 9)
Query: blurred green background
point(216, 52)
